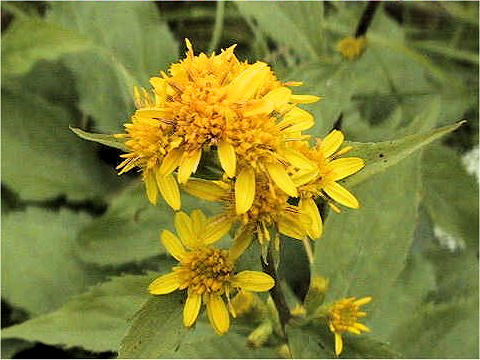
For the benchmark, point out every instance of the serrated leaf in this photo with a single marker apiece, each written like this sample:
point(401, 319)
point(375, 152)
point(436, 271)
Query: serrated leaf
point(157, 328)
point(363, 251)
point(95, 320)
point(39, 269)
point(203, 342)
point(132, 44)
point(130, 229)
point(32, 39)
point(104, 139)
point(451, 194)
point(382, 155)
point(55, 161)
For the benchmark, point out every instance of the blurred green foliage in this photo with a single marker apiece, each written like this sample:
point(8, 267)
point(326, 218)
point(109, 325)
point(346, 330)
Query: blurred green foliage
point(79, 274)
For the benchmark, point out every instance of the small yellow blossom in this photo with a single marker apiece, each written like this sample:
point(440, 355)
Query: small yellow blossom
point(270, 208)
point(206, 272)
point(322, 180)
point(352, 47)
point(343, 316)
point(217, 101)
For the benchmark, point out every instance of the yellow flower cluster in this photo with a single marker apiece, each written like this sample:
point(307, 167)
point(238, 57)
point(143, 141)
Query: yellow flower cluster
point(252, 124)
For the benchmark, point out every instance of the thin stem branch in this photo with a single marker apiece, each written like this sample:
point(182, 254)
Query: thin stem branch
point(218, 27)
point(276, 292)
point(366, 18)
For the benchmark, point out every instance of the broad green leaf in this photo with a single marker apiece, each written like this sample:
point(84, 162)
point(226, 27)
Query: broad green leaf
point(203, 342)
point(104, 139)
point(292, 26)
point(450, 194)
point(95, 320)
point(39, 269)
point(382, 155)
point(367, 347)
point(441, 331)
point(130, 228)
point(156, 329)
point(132, 44)
point(305, 345)
point(41, 157)
point(11, 347)
point(363, 251)
point(31, 39)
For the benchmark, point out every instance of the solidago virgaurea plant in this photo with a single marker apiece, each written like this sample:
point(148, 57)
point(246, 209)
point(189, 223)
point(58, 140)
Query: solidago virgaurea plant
point(231, 133)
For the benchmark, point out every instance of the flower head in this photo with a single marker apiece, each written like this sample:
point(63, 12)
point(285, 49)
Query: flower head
point(343, 316)
point(203, 101)
point(352, 47)
point(207, 273)
point(322, 180)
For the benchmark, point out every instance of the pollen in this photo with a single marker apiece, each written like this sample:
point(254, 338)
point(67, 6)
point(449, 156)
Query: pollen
point(205, 270)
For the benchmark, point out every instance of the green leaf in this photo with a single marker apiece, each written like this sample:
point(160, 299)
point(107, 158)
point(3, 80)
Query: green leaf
point(55, 161)
point(132, 43)
point(363, 251)
point(95, 320)
point(130, 229)
point(305, 345)
point(30, 40)
point(11, 347)
point(382, 155)
point(292, 26)
point(202, 342)
point(366, 347)
point(104, 139)
point(156, 330)
point(450, 194)
point(441, 331)
point(39, 269)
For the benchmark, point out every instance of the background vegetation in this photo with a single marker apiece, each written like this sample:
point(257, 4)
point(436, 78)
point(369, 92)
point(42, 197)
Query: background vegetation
point(79, 243)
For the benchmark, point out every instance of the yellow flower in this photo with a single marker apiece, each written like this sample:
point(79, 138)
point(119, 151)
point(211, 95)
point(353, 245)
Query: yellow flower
point(343, 316)
point(352, 47)
point(206, 272)
point(219, 101)
point(270, 207)
point(322, 181)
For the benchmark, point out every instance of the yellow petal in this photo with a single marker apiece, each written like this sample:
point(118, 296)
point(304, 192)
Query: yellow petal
point(244, 190)
point(279, 96)
point(331, 143)
point(341, 195)
point(303, 177)
point(184, 227)
point(216, 229)
point(241, 242)
point(363, 301)
point(338, 344)
point(292, 227)
point(258, 107)
point(304, 99)
point(248, 82)
point(298, 160)
point(189, 165)
point(341, 168)
point(164, 284)
point(308, 206)
point(173, 244)
point(191, 309)
point(218, 314)
point(170, 162)
point(204, 189)
point(169, 189)
point(279, 175)
point(151, 187)
point(362, 327)
point(227, 157)
point(296, 120)
point(199, 221)
point(253, 281)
